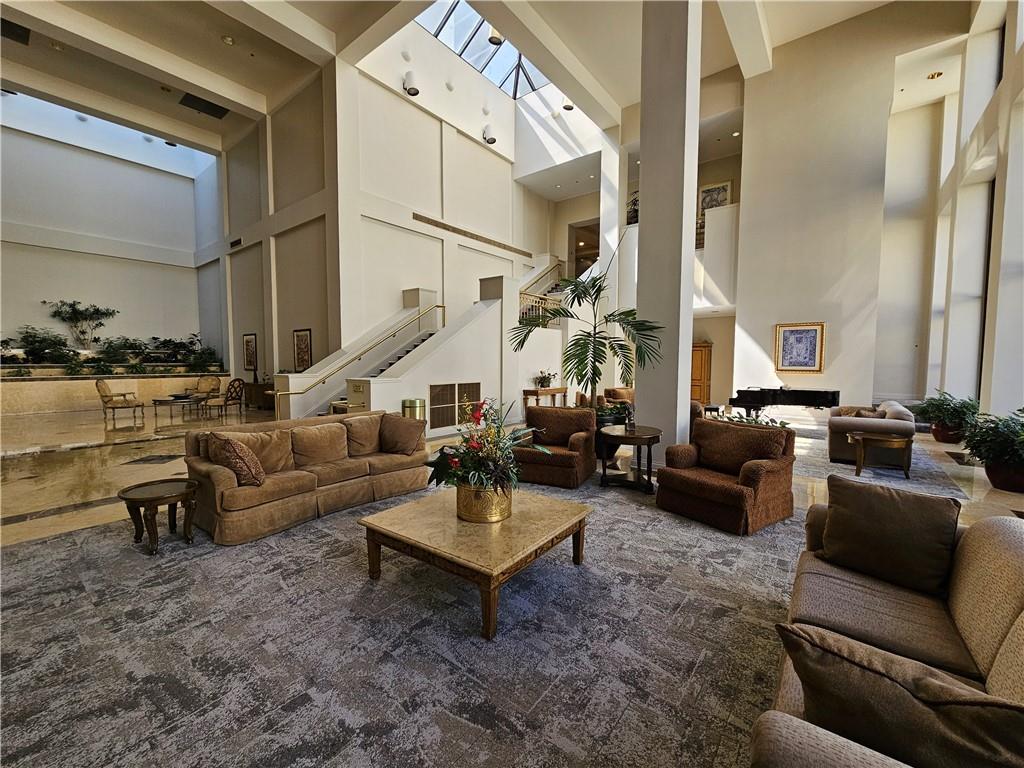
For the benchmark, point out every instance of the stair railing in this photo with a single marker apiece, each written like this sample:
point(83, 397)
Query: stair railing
point(533, 304)
point(556, 266)
point(355, 357)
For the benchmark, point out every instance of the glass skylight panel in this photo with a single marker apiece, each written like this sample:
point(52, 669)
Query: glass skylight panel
point(539, 81)
point(459, 27)
point(431, 18)
point(479, 49)
point(502, 63)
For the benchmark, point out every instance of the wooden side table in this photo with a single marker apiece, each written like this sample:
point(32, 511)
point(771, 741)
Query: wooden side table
point(540, 392)
point(863, 440)
point(638, 437)
point(144, 499)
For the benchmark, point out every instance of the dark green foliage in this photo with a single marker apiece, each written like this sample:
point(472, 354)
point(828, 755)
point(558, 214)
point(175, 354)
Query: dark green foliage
point(21, 372)
point(102, 368)
point(135, 368)
point(122, 349)
point(954, 413)
point(735, 418)
point(74, 367)
point(994, 440)
point(83, 320)
point(41, 345)
point(202, 359)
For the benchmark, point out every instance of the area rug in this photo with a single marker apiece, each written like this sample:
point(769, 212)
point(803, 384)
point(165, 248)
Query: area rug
point(659, 650)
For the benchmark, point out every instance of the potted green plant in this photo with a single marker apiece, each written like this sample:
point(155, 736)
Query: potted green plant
point(998, 442)
point(544, 379)
point(482, 467)
point(949, 416)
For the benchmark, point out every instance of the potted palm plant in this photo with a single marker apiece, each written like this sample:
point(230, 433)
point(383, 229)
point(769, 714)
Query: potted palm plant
point(482, 466)
point(949, 416)
point(590, 348)
point(998, 442)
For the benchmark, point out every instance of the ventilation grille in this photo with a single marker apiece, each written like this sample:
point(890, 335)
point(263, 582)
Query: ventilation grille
point(204, 106)
point(15, 32)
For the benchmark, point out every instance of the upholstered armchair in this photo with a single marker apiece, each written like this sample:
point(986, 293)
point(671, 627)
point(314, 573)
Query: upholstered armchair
point(232, 398)
point(736, 477)
point(568, 435)
point(118, 401)
point(613, 395)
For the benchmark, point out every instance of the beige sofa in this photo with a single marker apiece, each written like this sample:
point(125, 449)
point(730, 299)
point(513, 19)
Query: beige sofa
point(892, 418)
point(302, 486)
point(976, 634)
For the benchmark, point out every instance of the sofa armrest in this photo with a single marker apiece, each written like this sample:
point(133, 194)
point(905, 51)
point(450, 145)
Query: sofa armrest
point(814, 526)
point(681, 456)
point(582, 442)
point(756, 472)
point(784, 741)
point(221, 478)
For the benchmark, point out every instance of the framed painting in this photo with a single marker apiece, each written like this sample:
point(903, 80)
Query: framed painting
point(302, 349)
point(800, 347)
point(249, 357)
point(713, 196)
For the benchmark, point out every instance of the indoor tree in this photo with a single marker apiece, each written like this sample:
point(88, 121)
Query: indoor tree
point(83, 320)
point(589, 348)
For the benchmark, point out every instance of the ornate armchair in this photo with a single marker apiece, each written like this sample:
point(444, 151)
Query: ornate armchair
point(232, 397)
point(206, 385)
point(736, 477)
point(568, 436)
point(118, 401)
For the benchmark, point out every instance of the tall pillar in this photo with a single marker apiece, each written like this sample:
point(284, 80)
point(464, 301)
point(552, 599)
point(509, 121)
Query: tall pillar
point(613, 218)
point(669, 121)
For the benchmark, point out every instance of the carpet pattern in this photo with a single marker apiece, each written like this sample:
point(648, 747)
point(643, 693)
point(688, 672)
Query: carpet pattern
point(658, 651)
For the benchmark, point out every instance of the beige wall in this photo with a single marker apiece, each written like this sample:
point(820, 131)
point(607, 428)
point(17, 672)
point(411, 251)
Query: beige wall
point(814, 149)
point(243, 178)
point(246, 270)
point(301, 259)
point(26, 397)
point(211, 307)
point(720, 331)
point(571, 211)
point(908, 250)
point(722, 169)
point(297, 142)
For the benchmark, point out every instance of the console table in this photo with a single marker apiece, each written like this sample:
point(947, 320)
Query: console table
point(540, 392)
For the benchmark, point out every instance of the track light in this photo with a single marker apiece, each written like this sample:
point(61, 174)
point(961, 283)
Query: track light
point(495, 37)
point(567, 105)
point(488, 136)
point(409, 84)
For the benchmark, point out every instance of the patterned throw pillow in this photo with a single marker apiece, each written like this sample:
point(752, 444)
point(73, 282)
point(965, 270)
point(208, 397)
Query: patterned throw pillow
point(238, 458)
point(869, 413)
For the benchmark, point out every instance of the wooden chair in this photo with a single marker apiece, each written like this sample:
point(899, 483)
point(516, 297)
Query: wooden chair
point(233, 396)
point(115, 401)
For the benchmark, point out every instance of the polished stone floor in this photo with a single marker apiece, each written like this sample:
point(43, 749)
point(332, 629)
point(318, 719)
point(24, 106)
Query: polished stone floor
point(53, 492)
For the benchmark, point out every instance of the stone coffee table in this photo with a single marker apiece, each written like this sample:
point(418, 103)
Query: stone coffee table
point(487, 554)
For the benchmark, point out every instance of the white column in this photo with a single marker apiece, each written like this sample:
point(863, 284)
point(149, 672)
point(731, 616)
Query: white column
point(613, 217)
point(669, 120)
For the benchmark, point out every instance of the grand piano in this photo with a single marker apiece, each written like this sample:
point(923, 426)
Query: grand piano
point(753, 399)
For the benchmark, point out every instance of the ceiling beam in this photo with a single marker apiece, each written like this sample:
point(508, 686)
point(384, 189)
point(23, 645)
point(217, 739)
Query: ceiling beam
point(376, 23)
point(285, 24)
point(520, 23)
point(82, 31)
point(22, 79)
point(748, 30)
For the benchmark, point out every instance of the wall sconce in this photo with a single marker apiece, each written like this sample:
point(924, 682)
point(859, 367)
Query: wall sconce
point(488, 136)
point(567, 105)
point(409, 84)
point(495, 37)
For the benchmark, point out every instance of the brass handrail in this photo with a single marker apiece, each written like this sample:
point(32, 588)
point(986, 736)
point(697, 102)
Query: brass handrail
point(543, 296)
point(557, 265)
point(357, 356)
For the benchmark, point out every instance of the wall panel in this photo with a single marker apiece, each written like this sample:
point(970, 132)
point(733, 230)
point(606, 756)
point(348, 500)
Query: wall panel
point(247, 307)
point(301, 258)
point(243, 160)
point(463, 268)
point(297, 140)
point(478, 188)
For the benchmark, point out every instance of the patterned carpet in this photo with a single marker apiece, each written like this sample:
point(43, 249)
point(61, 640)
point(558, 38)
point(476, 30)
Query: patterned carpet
point(658, 651)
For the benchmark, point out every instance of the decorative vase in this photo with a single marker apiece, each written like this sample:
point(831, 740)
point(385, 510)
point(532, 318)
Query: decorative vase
point(944, 434)
point(482, 505)
point(1006, 477)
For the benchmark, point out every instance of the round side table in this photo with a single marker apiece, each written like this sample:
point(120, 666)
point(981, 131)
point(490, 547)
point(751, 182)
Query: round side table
point(619, 434)
point(144, 499)
point(863, 440)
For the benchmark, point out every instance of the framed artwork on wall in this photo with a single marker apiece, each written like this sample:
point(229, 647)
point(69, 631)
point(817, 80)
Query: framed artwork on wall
point(800, 347)
point(713, 196)
point(249, 357)
point(302, 349)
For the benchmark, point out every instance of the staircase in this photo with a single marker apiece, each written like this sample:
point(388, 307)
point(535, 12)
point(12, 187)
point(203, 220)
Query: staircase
point(545, 291)
point(400, 353)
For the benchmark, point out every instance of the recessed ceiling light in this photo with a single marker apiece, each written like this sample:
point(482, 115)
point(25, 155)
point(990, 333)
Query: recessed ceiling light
point(638, 162)
point(170, 144)
point(592, 176)
point(148, 139)
point(558, 186)
point(165, 89)
point(56, 46)
point(580, 243)
point(567, 105)
point(735, 134)
point(81, 118)
point(227, 39)
point(934, 75)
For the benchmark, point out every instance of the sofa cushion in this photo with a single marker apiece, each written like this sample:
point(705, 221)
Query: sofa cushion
point(781, 740)
point(893, 618)
point(331, 472)
point(556, 425)
point(363, 435)
point(898, 706)
point(279, 485)
point(869, 413)
point(557, 456)
point(382, 463)
point(901, 537)
point(1006, 678)
point(273, 448)
point(896, 411)
point(236, 457)
point(399, 434)
point(986, 589)
point(726, 447)
point(707, 484)
point(316, 445)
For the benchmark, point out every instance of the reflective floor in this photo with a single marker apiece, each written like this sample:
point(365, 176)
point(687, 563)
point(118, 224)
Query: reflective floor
point(55, 491)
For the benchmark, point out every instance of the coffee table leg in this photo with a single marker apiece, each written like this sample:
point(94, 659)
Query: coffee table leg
point(190, 513)
point(373, 554)
point(489, 610)
point(860, 456)
point(149, 515)
point(172, 517)
point(135, 513)
point(577, 545)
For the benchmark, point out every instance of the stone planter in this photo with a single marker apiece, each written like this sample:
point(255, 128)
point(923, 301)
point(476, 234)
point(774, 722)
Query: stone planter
point(1006, 477)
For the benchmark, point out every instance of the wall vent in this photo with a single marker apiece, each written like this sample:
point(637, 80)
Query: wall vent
point(202, 105)
point(236, 242)
point(15, 32)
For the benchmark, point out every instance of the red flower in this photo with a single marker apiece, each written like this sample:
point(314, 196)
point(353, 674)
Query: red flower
point(477, 415)
point(453, 462)
point(474, 445)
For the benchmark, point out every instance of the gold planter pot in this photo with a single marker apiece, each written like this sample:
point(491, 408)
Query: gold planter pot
point(481, 505)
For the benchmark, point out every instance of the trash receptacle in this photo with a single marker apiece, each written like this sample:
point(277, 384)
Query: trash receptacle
point(414, 409)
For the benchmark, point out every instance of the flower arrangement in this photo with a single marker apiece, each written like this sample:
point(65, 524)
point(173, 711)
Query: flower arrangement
point(483, 458)
point(545, 378)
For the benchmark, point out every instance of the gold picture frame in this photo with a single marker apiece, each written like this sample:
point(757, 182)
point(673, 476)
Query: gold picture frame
point(800, 347)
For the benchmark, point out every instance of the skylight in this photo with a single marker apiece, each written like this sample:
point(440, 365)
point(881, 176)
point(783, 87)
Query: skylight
point(457, 25)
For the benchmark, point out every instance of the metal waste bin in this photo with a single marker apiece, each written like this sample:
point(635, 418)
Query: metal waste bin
point(415, 409)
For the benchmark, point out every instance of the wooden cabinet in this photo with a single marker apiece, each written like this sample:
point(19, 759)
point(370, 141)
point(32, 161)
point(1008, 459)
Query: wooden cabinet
point(700, 372)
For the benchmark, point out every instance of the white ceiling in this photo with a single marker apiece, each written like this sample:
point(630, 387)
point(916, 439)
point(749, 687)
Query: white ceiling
point(911, 86)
